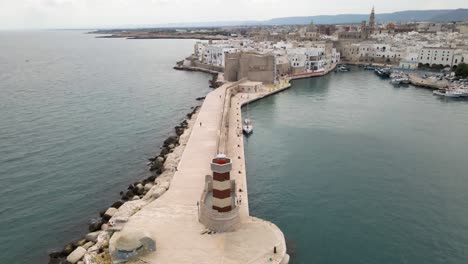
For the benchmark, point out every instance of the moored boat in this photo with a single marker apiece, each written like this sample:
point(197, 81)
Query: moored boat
point(342, 68)
point(398, 80)
point(464, 92)
point(452, 93)
point(247, 127)
point(382, 72)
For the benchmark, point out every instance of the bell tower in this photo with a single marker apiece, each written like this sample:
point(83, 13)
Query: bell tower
point(372, 20)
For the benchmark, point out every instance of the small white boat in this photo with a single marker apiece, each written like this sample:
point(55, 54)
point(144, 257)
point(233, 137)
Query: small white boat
point(464, 92)
point(395, 80)
point(448, 93)
point(405, 80)
point(247, 127)
point(342, 68)
point(399, 78)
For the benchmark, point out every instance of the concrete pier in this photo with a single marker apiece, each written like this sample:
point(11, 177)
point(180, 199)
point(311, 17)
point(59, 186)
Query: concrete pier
point(428, 82)
point(173, 220)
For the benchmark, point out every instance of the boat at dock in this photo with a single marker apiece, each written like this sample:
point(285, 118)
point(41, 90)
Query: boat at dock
point(462, 89)
point(399, 79)
point(383, 72)
point(452, 93)
point(342, 68)
point(247, 127)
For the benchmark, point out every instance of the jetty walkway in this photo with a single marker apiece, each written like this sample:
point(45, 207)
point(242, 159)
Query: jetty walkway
point(172, 220)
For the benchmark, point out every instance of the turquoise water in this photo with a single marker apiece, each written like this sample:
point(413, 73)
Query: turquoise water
point(79, 116)
point(354, 170)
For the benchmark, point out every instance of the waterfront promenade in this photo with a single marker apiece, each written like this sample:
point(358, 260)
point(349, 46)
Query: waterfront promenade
point(172, 219)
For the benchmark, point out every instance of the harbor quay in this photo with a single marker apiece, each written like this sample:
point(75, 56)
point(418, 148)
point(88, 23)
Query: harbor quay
point(197, 220)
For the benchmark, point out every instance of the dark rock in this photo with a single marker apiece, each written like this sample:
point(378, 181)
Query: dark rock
point(164, 152)
point(124, 198)
point(179, 132)
point(55, 254)
point(101, 213)
point(58, 261)
point(152, 159)
point(130, 187)
point(152, 178)
point(79, 242)
point(117, 204)
point(130, 193)
point(95, 225)
point(171, 140)
point(67, 249)
point(200, 98)
point(106, 218)
point(157, 164)
point(141, 191)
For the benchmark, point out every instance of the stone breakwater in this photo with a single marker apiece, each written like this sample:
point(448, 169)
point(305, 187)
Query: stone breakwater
point(217, 77)
point(93, 247)
point(174, 221)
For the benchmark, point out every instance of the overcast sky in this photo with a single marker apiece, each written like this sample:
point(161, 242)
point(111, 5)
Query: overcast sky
point(17, 14)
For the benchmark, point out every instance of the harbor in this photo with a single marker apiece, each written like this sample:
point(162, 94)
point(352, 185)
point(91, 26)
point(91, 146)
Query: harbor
point(364, 166)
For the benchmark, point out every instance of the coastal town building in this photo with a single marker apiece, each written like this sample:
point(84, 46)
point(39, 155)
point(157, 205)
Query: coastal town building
point(250, 65)
point(300, 49)
point(436, 56)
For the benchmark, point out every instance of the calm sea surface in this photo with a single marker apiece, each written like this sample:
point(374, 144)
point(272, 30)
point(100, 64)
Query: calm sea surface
point(354, 170)
point(78, 118)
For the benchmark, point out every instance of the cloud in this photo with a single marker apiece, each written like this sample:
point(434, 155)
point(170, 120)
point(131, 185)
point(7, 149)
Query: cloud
point(98, 13)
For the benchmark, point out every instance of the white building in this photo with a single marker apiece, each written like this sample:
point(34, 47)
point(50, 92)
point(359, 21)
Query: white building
point(336, 56)
point(436, 56)
point(313, 59)
point(215, 54)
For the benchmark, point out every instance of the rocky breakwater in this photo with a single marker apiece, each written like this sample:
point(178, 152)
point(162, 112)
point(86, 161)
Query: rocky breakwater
point(217, 77)
point(93, 247)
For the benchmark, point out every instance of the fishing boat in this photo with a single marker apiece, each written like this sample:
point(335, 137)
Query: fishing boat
point(400, 80)
point(382, 72)
point(463, 91)
point(448, 93)
point(343, 68)
point(369, 68)
point(247, 127)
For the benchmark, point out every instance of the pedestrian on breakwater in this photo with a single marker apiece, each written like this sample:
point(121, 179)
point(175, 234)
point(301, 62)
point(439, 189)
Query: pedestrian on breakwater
point(200, 123)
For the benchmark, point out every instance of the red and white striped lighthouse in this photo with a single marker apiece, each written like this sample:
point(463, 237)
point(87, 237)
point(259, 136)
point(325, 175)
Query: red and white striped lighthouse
point(221, 167)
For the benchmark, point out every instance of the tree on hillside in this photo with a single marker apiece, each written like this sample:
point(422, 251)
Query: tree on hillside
point(462, 70)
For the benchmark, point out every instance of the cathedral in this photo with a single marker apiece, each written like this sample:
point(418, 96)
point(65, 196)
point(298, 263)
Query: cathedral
point(367, 30)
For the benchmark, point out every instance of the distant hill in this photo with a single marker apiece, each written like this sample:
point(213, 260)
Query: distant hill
point(445, 15)
point(401, 16)
point(453, 15)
